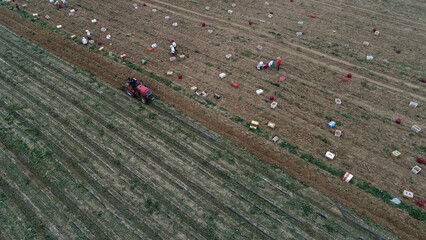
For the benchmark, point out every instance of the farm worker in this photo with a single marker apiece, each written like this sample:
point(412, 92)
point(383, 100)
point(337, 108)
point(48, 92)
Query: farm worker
point(278, 63)
point(84, 41)
point(57, 5)
point(16, 5)
point(173, 50)
point(89, 36)
point(174, 44)
point(271, 64)
point(132, 82)
point(259, 66)
point(64, 3)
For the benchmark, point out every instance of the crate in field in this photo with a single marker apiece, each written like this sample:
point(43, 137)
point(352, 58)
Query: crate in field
point(254, 124)
point(416, 169)
point(396, 154)
point(338, 101)
point(338, 133)
point(413, 104)
point(408, 194)
point(329, 155)
point(416, 128)
point(347, 177)
point(275, 139)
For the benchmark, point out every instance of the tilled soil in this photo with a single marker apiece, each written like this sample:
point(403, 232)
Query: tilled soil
point(372, 99)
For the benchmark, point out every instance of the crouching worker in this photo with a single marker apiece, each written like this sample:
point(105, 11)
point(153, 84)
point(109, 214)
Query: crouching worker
point(173, 50)
point(259, 66)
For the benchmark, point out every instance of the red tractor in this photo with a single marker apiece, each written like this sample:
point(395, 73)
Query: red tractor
point(134, 88)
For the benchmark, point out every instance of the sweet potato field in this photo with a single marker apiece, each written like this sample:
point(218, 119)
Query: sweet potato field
point(83, 160)
point(196, 183)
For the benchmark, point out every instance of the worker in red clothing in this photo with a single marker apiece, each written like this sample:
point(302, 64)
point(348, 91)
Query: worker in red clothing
point(278, 63)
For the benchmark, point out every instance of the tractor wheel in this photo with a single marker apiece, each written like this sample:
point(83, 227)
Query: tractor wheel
point(130, 93)
point(144, 100)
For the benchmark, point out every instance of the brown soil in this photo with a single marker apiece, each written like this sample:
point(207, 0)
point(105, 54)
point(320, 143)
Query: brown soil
point(373, 96)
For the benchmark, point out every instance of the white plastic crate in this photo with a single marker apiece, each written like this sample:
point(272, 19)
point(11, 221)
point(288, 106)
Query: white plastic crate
point(329, 155)
point(416, 169)
point(338, 133)
point(413, 104)
point(338, 101)
point(416, 128)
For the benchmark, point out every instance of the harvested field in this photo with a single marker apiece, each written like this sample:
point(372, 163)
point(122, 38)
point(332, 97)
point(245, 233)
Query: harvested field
point(80, 164)
point(331, 46)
